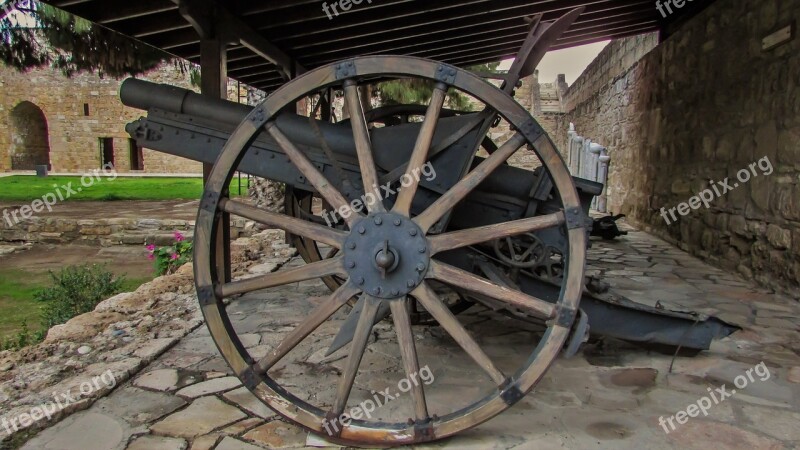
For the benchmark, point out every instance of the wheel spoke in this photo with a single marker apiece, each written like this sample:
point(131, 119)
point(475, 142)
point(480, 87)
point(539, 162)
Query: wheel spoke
point(511, 250)
point(369, 172)
point(408, 350)
point(421, 149)
point(428, 298)
point(476, 285)
point(441, 146)
point(360, 339)
point(472, 236)
point(319, 315)
point(317, 269)
point(289, 224)
point(458, 192)
point(312, 174)
point(526, 254)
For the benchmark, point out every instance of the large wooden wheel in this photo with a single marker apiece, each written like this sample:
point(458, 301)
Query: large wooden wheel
point(388, 256)
point(300, 204)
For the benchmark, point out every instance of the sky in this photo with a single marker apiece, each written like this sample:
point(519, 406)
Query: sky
point(570, 61)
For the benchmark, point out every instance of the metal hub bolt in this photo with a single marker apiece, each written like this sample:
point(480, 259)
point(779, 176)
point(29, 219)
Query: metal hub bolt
point(387, 262)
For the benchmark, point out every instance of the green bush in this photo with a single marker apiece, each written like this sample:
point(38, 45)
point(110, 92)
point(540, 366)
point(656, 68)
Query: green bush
point(76, 290)
point(23, 338)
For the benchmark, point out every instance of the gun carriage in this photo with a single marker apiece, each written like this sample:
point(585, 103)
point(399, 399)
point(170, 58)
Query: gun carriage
point(421, 250)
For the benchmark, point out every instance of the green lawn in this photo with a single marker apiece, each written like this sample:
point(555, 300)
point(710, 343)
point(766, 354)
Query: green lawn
point(17, 305)
point(29, 188)
point(16, 299)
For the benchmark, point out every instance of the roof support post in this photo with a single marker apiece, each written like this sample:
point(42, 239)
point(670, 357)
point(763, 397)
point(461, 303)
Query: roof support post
point(210, 17)
point(214, 83)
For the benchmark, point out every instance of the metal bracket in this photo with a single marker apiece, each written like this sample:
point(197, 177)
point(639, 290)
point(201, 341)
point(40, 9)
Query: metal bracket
point(250, 378)
point(575, 218)
point(205, 296)
point(531, 130)
point(345, 69)
point(565, 317)
point(446, 74)
point(210, 202)
point(511, 393)
point(580, 331)
point(259, 117)
point(423, 432)
point(152, 135)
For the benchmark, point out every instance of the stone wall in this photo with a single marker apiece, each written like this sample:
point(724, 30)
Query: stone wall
point(601, 105)
point(108, 232)
point(543, 101)
point(79, 112)
point(701, 106)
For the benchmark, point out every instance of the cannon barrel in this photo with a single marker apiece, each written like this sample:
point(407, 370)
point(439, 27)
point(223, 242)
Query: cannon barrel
point(147, 96)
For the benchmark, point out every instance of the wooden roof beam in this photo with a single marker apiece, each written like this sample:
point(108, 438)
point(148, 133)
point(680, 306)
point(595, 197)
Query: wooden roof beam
point(208, 16)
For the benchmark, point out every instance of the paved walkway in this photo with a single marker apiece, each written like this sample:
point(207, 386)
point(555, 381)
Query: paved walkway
point(609, 396)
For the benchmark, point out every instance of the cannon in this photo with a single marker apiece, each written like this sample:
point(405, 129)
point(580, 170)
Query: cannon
point(407, 213)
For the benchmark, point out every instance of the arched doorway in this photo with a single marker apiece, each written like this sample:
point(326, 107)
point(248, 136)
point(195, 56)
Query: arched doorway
point(30, 142)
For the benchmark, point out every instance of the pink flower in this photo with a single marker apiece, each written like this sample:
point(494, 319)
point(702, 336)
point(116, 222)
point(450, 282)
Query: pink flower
point(179, 237)
point(174, 256)
point(151, 248)
point(151, 256)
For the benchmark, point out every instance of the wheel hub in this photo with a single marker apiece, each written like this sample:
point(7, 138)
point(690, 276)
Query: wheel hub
point(386, 255)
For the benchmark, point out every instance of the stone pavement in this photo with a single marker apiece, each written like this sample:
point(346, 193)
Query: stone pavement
point(609, 396)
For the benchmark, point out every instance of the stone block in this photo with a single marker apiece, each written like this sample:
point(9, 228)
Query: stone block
point(49, 238)
point(796, 244)
point(163, 239)
point(786, 202)
point(738, 226)
point(761, 189)
point(210, 387)
point(743, 246)
point(726, 148)
point(66, 225)
point(157, 443)
point(756, 227)
point(201, 417)
point(722, 222)
point(789, 146)
point(710, 240)
point(119, 222)
point(767, 141)
point(173, 225)
point(779, 238)
point(96, 231)
point(148, 224)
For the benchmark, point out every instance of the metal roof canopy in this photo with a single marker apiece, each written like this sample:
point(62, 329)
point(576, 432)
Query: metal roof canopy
point(269, 41)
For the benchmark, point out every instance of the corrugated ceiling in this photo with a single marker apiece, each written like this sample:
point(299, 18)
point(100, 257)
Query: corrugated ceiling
point(461, 32)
